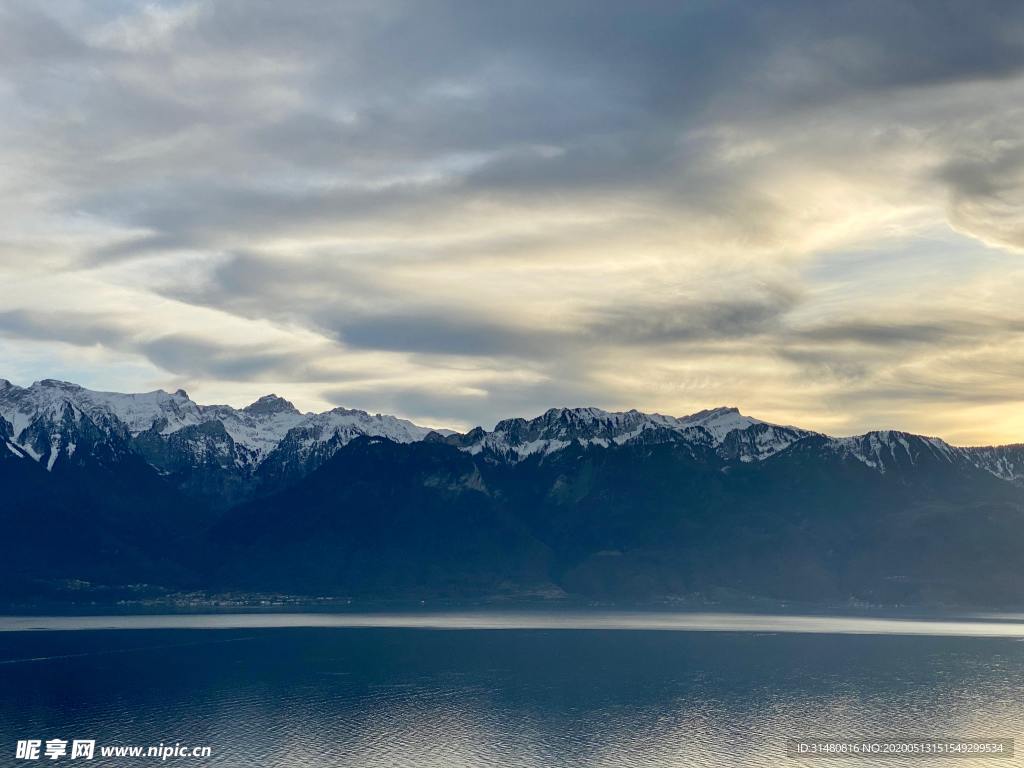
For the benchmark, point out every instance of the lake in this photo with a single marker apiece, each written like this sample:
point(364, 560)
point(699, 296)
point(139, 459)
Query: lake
point(507, 689)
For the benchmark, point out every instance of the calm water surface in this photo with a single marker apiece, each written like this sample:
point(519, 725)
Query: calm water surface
point(508, 689)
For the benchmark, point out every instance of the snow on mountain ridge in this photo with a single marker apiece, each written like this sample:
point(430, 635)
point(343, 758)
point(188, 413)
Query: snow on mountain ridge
point(270, 404)
point(256, 430)
point(1004, 461)
point(136, 412)
point(880, 448)
point(557, 428)
point(41, 421)
point(345, 422)
point(719, 421)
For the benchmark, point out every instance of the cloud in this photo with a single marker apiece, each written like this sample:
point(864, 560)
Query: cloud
point(180, 354)
point(709, 320)
point(898, 333)
point(467, 208)
point(72, 328)
point(482, 405)
point(30, 37)
point(987, 192)
point(199, 357)
point(367, 301)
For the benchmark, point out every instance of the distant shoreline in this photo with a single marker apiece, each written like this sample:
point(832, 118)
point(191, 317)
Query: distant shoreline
point(681, 621)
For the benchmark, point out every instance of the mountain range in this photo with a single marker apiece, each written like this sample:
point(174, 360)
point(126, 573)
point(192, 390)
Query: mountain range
point(104, 495)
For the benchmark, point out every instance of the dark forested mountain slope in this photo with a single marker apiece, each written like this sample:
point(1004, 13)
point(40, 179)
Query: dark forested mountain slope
point(106, 494)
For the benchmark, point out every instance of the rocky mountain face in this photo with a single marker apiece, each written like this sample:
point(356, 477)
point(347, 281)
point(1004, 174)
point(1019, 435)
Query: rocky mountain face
point(152, 489)
point(215, 453)
point(226, 454)
point(1005, 461)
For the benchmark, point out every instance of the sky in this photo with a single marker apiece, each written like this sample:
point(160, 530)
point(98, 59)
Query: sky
point(458, 212)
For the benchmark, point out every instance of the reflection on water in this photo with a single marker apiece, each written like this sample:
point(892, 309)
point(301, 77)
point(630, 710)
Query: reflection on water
point(391, 696)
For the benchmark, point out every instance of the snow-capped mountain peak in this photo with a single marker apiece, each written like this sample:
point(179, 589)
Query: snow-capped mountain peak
point(173, 432)
point(269, 404)
point(558, 428)
point(719, 422)
point(887, 449)
point(52, 421)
